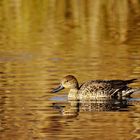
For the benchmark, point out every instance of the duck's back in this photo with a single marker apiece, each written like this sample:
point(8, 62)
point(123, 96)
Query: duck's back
point(102, 88)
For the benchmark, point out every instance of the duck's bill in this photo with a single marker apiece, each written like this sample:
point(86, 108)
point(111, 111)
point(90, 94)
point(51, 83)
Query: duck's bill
point(58, 89)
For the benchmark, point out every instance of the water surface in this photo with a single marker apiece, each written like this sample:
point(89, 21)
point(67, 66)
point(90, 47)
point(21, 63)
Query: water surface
point(42, 41)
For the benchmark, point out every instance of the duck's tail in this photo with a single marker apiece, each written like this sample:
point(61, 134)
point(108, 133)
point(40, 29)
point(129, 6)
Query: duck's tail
point(129, 91)
point(131, 81)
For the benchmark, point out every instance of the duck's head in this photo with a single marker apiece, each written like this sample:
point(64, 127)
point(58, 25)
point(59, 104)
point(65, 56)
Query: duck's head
point(68, 81)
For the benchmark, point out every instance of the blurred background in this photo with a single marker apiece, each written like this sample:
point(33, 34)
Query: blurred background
point(41, 41)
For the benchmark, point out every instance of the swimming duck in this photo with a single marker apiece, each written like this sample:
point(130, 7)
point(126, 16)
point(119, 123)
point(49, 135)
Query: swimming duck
point(96, 89)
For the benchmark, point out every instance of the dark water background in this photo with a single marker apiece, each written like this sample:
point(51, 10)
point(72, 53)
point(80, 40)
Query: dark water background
point(43, 40)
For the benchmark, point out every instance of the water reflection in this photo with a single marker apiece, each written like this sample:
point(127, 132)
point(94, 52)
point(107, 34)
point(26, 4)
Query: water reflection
point(73, 108)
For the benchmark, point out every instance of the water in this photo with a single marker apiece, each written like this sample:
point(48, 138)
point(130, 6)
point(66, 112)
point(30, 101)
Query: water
point(42, 41)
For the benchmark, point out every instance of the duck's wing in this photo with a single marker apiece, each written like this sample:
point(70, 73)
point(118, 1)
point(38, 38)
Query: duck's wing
point(120, 83)
point(110, 87)
point(122, 87)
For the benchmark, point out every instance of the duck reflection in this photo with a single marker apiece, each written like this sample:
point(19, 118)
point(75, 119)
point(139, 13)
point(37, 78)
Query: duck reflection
point(73, 108)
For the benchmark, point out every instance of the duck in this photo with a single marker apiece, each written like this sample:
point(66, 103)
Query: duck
point(96, 89)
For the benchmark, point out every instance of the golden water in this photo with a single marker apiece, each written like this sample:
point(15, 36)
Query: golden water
point(43, 40)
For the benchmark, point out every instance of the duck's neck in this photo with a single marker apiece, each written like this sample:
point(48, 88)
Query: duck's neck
point(73, 94)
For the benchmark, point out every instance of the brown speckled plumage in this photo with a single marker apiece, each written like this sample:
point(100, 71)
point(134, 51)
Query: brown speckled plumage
point(103, 88)
point(94, 89)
